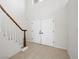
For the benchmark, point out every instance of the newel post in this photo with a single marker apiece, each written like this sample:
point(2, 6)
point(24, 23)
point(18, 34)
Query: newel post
point(24, 40)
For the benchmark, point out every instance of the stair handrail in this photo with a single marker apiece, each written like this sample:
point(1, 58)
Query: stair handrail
point(12, 19)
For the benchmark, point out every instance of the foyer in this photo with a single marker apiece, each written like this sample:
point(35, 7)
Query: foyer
point(38, 29)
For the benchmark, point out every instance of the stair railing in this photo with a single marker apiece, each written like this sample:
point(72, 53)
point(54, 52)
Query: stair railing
point(13, 20)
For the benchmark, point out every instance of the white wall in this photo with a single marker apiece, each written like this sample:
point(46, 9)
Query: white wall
point(17, 9)
point(8, 48)
point(50, 9)
point(73, 29)
point(44, 9)
point(61, 37)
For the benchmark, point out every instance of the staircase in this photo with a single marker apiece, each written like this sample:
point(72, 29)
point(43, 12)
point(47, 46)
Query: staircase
point(12, 36)
point(8, 48)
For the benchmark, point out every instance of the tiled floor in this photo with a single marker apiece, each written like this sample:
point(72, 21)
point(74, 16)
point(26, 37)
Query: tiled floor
point(37, 51)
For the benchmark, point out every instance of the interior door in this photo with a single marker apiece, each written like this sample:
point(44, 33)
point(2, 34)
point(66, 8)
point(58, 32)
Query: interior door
point(47, 29)
point(35, 31)
point(43, 32)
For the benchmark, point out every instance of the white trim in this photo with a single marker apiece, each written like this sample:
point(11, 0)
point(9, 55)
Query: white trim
point(24, 49)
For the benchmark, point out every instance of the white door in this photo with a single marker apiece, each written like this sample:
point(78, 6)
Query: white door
point(35, 31)
point(48, 32)
point(42, 32)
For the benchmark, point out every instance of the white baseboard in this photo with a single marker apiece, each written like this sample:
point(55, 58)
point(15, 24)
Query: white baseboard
point(24, 49)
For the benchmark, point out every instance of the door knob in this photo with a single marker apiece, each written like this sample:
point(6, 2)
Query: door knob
point(40, 32)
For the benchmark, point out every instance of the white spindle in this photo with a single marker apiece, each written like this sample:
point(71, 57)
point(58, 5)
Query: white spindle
point(12, 31)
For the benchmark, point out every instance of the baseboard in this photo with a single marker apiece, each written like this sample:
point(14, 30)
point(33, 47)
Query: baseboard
point(24, 49)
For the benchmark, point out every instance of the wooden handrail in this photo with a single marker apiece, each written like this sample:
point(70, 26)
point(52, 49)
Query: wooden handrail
point(24, 41)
